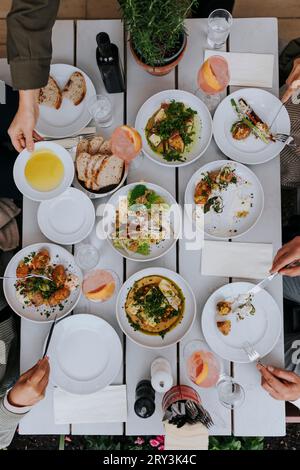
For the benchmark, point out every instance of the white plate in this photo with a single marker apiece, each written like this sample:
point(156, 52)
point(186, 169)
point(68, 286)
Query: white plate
point(68, 218)
point(261, 330)
point(250, 151)
point(202, 137)
point(177, 333)
point(68, 119)
point(85, 354)
point(156, 250)
point(21, 181)
point(58, 255)
point(226, 225)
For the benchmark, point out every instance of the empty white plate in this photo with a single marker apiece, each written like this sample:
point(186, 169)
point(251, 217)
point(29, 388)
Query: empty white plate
point(68, 119)
point(250, 151)
point(261, 330)
point(85, 354)
point(68, 218)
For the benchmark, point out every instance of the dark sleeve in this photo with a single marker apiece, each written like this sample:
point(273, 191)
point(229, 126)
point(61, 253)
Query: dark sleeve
point(286, 59)
point(29, 48)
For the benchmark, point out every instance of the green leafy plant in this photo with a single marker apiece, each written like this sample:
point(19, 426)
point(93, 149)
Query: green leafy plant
point(156, 27)
point(236, 443)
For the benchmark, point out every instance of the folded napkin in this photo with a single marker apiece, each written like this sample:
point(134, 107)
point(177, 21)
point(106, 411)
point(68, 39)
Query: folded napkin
point(106, 406)
point(9, 233)
point(189, 437)
point(247, 69)
point(230, 259)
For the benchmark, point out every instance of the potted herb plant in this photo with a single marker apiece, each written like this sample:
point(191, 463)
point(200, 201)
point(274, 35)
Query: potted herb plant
point(156, 32)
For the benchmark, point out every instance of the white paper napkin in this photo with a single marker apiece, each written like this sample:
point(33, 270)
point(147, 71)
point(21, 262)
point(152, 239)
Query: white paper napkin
point(233, 259)
point(247, 69)
point(106, 406)
point(189, 437)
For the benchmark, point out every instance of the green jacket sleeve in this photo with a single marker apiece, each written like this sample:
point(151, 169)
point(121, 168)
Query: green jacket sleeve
point(286, 59)
point(29, 49)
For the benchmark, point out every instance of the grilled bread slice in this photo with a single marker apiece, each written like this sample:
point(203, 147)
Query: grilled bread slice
point(82, 146)
point(95, 144)
point(110, 172)
point(105, 148)
point(75, 88)
point(51, 94)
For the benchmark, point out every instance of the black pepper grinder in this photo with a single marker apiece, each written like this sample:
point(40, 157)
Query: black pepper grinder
point(144, 405)
point(108, 60)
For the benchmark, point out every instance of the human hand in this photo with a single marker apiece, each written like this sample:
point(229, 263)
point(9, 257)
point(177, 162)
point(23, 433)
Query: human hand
point(279, 383)
point(21, 130)
point(293, 81)
point(289, 253)
point(31, 386)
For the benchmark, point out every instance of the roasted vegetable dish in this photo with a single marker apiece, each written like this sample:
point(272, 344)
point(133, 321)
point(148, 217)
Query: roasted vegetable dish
point(171, 130)
point(249, 123)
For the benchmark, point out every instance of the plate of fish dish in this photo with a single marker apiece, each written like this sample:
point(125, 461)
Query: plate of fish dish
point(244, 127)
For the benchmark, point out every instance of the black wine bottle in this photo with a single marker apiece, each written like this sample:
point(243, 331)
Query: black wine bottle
point(108, 60)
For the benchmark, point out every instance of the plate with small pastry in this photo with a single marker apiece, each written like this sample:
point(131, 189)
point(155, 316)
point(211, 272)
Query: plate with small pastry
point(231, 318)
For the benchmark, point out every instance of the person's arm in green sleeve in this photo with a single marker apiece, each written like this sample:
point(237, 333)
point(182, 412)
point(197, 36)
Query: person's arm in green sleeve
point(29, 49)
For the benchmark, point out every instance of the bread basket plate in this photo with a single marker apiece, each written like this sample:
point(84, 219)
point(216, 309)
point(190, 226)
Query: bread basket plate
point(68, 119)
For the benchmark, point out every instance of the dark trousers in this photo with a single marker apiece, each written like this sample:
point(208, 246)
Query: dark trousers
point(205, 7)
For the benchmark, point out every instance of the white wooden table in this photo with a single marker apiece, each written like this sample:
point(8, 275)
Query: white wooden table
point(260, 415)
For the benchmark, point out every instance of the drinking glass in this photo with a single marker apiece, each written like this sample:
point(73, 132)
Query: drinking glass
point(202, 366)
point(101, 110)
point(231, 394)
point(212, 79)
point(86, 256)
point(100, 285)
point(126, 143)
point(219, 24)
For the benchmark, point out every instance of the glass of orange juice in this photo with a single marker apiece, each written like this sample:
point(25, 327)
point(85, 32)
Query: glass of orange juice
point(212, 80)
point(202, 366)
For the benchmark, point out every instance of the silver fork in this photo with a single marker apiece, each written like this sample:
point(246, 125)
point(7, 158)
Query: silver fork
point(27, 277)
point(70, 142)
point(289, 140)
point(251, 352)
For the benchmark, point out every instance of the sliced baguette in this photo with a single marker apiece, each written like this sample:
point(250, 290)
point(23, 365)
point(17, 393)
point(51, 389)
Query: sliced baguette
point(110, 172)
point(105, 148)
point(75, 88)
point(51, 94)
point(82, 146)
point(95, 144)
point(81, 165)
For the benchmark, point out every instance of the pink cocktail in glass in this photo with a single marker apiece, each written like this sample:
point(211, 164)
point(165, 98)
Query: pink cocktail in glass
point(212, 79)
point(126, 143)
point(202, 366)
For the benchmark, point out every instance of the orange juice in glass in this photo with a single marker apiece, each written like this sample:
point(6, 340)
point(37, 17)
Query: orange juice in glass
point(212, 79)
point(126, 143)
point(202, 366)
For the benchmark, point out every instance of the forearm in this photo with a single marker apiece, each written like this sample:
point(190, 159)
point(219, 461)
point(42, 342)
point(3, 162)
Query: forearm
point(8, 424)
point(29, 49)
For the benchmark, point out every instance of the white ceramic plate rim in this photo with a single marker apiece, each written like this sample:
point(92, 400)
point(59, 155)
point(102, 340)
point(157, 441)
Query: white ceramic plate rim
point(184, 96)
point(242, 156)
point(20, 179)
point(45, 129)
point(225, 350)
point(184, 286)
point(11, 271)
point(88, 207)
point(159, 190)
point(189, 192)
point(88, 386)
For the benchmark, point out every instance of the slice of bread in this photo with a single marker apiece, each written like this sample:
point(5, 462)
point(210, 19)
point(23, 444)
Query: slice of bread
point(81, 165)
point(82, 146)
point(75, 88)
point(95, 144)
point(96, 170)
point(51, 94)
point(90, 171)
point(105, 148)
point(110, 173)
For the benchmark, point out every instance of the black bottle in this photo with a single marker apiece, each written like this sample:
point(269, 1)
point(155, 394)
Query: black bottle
point(144, 405)
point(108, 60)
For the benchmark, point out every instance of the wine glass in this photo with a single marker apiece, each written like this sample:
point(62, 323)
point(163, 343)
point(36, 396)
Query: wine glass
point(202, 366)
point(212, 79)
point(126, 143)
point(231, 394)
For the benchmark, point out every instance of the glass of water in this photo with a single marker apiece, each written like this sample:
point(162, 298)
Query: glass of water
point(219, 24)
point(86, 256)
point(101, 110)
point(231, 394)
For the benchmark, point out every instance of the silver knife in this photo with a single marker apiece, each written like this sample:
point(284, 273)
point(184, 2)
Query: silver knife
point(49, 336)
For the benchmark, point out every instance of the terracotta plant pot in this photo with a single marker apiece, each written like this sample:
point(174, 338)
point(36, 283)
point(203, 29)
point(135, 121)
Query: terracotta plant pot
point(169, 65)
